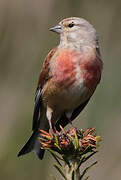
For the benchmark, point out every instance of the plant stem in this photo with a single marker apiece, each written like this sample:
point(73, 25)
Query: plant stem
point(72, 171)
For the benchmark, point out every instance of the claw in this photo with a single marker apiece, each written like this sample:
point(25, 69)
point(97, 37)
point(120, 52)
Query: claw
point(51, 132)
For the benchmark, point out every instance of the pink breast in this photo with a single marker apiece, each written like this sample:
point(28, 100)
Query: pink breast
point(64, 71)
point(67, 65)
point(91, 72)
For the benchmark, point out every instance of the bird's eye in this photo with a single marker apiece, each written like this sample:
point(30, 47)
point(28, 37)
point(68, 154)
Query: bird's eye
point(71, 25)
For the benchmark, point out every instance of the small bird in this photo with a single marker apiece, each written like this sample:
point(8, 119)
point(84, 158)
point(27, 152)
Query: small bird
point(68, 79)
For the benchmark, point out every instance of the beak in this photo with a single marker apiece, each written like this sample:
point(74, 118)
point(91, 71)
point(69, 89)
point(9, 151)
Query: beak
point(56, 29)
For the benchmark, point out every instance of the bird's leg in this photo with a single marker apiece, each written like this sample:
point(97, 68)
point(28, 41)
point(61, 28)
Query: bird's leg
point(70, 122)
point(68, 115)
point(49, 117)
point(51, 131)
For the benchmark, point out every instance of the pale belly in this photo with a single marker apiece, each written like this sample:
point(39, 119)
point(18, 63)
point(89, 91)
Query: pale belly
point(66, 99)
point(73, 96)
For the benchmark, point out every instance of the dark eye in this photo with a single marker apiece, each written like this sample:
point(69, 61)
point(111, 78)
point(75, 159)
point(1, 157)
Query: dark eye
point(71, 25)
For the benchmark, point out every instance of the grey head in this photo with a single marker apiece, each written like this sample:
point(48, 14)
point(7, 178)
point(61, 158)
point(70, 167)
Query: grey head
point(76, 31)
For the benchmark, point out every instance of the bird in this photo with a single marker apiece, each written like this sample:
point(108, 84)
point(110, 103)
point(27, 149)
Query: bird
point(68, 78)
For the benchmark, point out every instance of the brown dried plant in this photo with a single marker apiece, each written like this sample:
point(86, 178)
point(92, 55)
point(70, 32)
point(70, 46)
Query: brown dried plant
point(75, 147)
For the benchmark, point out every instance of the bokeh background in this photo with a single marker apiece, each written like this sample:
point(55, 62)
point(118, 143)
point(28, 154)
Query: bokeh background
point(24, 42)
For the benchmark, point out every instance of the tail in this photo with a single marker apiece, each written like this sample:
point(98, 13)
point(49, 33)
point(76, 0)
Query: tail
point(33, 144)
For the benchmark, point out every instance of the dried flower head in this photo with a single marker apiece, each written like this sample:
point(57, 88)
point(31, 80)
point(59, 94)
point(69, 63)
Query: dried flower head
point(75, 147)
point(71, 142)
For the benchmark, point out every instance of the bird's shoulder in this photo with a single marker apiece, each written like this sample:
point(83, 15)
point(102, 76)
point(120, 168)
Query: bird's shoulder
point(44, 74)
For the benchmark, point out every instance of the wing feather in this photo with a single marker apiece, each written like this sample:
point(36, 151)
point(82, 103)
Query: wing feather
point(44, 76)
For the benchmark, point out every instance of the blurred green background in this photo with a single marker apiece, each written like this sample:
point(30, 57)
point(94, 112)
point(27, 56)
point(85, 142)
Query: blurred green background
point(24, 42)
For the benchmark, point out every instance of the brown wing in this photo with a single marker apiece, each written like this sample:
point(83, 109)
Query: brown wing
point(44, 76)
point(45, 69)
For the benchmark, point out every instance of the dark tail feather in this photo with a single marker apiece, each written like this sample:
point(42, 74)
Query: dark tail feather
point(32, 144)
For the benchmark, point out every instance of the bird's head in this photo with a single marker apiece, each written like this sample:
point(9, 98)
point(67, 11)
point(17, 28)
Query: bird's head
point(77, 31)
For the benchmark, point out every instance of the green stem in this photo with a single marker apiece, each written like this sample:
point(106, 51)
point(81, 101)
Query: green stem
point(72, 172)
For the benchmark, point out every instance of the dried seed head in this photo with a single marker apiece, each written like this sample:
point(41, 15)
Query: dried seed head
point(71, 142)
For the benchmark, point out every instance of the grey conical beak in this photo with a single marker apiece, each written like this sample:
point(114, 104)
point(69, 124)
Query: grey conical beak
point(56, 29)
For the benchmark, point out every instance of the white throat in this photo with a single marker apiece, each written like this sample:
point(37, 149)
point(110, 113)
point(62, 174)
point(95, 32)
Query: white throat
point(78, 41)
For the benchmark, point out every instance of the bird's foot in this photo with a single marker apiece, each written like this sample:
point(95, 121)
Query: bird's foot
point(73, 126)
point(51, 132)
point(70, 122)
